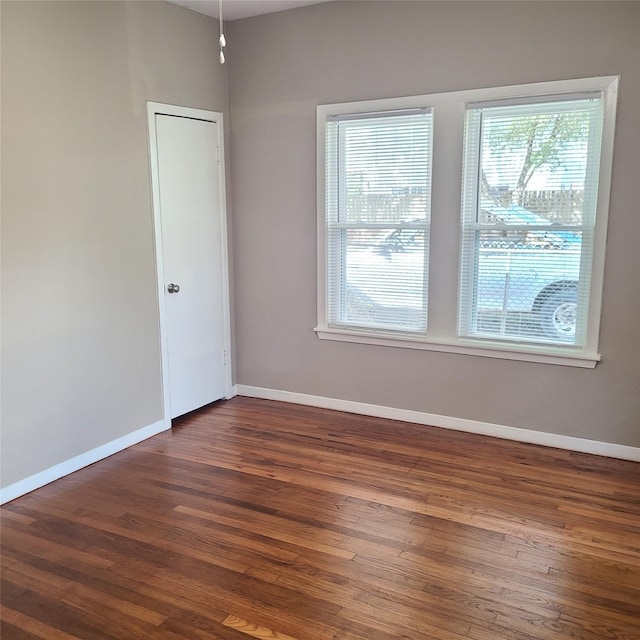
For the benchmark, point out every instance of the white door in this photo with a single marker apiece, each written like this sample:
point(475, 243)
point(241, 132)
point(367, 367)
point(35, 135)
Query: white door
point(189, 201)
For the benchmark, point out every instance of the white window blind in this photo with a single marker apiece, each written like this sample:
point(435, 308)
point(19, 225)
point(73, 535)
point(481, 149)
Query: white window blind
point(377, 210)
point(530, 183)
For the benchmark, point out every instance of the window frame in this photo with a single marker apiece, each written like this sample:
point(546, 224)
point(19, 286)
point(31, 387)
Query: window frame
point(446, 225)
point(336, 185)
point(469, 250)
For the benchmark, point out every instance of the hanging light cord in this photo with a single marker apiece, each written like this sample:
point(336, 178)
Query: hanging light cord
point(222, 40)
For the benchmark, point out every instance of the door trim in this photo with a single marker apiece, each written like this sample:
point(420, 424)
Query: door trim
point(153, 109)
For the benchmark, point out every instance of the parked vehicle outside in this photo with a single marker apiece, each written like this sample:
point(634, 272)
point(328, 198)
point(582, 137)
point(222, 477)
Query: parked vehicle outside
point(525, 284)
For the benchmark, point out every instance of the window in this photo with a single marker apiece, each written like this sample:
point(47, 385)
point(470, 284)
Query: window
point(511, 264)
point(529, 206)
point(378, 177)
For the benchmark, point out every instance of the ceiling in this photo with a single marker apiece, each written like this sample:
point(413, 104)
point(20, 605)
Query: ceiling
point(236, 9)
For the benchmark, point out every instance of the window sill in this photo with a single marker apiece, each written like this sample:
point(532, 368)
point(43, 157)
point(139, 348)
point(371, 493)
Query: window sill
point(523, 352)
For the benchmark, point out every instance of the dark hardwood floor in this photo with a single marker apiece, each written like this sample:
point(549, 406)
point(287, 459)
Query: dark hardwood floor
point(261, 519)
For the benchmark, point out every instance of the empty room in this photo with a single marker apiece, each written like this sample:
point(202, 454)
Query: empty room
point(320, 320)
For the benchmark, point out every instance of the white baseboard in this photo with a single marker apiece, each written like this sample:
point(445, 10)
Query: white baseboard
point(13, 491)
point(571, 443)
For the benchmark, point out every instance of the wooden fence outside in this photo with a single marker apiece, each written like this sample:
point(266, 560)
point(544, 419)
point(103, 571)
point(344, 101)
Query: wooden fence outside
point(562, 207)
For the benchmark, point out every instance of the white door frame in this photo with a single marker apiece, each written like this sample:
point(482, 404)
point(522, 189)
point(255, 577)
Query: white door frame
point(153, 109)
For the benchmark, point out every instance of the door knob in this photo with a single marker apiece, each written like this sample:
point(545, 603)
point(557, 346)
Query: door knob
point(173, 288)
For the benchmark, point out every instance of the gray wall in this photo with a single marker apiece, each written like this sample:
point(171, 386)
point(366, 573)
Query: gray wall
point(282, 65)
point(80, 347)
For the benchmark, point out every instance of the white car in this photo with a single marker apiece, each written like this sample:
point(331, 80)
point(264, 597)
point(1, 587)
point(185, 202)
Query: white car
point(534, 280)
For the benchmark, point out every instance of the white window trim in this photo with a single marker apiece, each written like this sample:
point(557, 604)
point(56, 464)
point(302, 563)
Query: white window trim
point(447, 161)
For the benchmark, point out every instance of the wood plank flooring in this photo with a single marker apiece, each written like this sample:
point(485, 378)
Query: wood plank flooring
point(259, 519)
